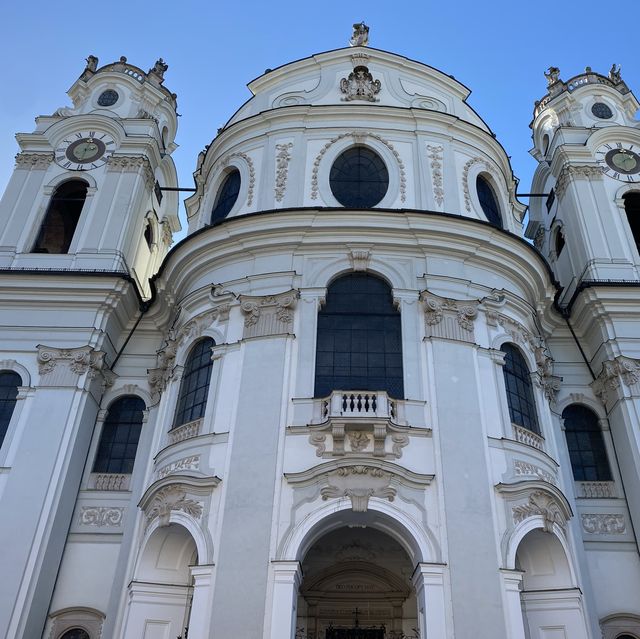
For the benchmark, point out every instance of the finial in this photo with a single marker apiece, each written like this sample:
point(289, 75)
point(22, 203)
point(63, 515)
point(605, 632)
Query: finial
point(360, 37)
point(159, 69)
point(615, 73)
point(553, 75)
point(588, 70)
point(92, 63)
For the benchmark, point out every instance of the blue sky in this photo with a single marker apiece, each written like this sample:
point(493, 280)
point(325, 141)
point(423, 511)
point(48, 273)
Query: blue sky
point(498, 49)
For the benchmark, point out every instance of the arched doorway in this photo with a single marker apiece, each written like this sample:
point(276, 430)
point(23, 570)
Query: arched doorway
point(548, 595)
point(161, 593)
point(357, 584)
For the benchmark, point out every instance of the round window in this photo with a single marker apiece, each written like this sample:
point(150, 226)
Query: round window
point(75, 633)
point(602, 111)
point(359, 178)
point(108, 98)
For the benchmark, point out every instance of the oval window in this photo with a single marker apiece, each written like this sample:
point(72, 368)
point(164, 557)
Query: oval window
point(359, 178)
point(488, 202)
point(227, 196)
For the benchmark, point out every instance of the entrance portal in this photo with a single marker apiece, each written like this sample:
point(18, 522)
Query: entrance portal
point(357, 585)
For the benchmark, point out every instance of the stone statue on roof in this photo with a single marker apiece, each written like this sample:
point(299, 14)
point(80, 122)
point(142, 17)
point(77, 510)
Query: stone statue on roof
point(553, 75)
point(360, 37)
point(615, 73)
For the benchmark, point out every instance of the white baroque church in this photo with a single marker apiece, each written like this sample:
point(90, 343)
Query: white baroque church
point(354, 402)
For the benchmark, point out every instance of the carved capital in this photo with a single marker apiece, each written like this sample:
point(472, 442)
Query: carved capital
point(268, 315)
point(63, 366)
point(33, 160)
point(449, 318)
point(570, 172)
point(132, 163)
point(616, 376)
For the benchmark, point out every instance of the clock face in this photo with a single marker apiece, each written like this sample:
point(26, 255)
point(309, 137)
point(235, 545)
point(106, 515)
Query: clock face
point(620, 161)
point(84, 150)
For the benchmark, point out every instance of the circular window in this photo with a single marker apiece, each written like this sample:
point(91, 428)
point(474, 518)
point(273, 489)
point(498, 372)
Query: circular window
point(359, 178)
point(108, 98)
point(75, 633)
point(602, 111)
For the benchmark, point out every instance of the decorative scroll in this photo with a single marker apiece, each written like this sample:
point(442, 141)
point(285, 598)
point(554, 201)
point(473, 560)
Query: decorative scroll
point(100, 516)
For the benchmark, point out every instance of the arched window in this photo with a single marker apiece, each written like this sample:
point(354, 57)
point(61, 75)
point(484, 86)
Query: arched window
point(9, 382)
point(359, 178)
point(559, 241)
point(517, 381)
point(585, 443)
point(194, 388)
point(76, 633)
point(120, 435)
point(488, 201)
point(359, 338)
point(227, 196)
point(632, 209)
point(61, 218)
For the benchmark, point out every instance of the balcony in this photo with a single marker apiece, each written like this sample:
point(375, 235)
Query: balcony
point(526, 436)
point(373, 405)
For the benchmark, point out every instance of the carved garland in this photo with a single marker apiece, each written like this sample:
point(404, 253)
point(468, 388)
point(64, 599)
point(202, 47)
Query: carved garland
point(100, 516)
point(603, 523)
point(465, 178)
point(357, 136)
point(252, 172)
point(435, 155)
point(282, 169)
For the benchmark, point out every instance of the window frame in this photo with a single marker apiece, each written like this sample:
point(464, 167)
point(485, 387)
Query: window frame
point(5, 429)
point(523, 376)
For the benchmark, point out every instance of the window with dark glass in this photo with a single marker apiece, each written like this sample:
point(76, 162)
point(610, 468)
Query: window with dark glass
point(148, 234)
point(194, 388)
point(9, 382)
point(517, 381)
point(585, 443)
point(75, 633)
point(559, 243)
point(120, 435)
point(359, 344)
point(61, 218)
point(632, 209)
point(227, 196)
point(359, 178)
point(488, 201)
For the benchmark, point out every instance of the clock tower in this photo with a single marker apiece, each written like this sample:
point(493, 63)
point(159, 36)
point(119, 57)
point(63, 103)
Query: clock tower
point(587, 143)
point(86, 193)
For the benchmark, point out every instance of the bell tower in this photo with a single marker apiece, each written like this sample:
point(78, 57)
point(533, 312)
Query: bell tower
point(587, 143)
point(86, 193)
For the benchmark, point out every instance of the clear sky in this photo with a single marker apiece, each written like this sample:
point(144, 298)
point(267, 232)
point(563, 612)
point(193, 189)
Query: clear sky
point(499, 49)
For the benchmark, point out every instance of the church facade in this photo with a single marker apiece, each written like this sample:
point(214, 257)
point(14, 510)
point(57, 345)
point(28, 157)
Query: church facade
point(354, 401)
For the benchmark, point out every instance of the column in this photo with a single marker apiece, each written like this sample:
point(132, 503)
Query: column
point(286, 576)
point(200, 618)
point(512, 580)
point(428, 580)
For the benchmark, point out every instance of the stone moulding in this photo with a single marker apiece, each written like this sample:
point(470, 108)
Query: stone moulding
point(359, 480)
point(526, 499)
point(269, 314)
point(252, 172)
point(176, 493)
point(449, 318)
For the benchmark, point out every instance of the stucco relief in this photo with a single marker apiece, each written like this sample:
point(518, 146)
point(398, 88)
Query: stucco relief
point(359, 259)
point(614, 375)
point(449, 318)
point(543, 504)
point(192, 462)
point(100, 516)
point(269, 314)
point(189, 331)
point(360, 85)
point(522, 468)
point(283, 156)
point(435, 157)
point(172, 498)
point(252, 172)
point(603, 523)
point(63, 366)
point(358, 136)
